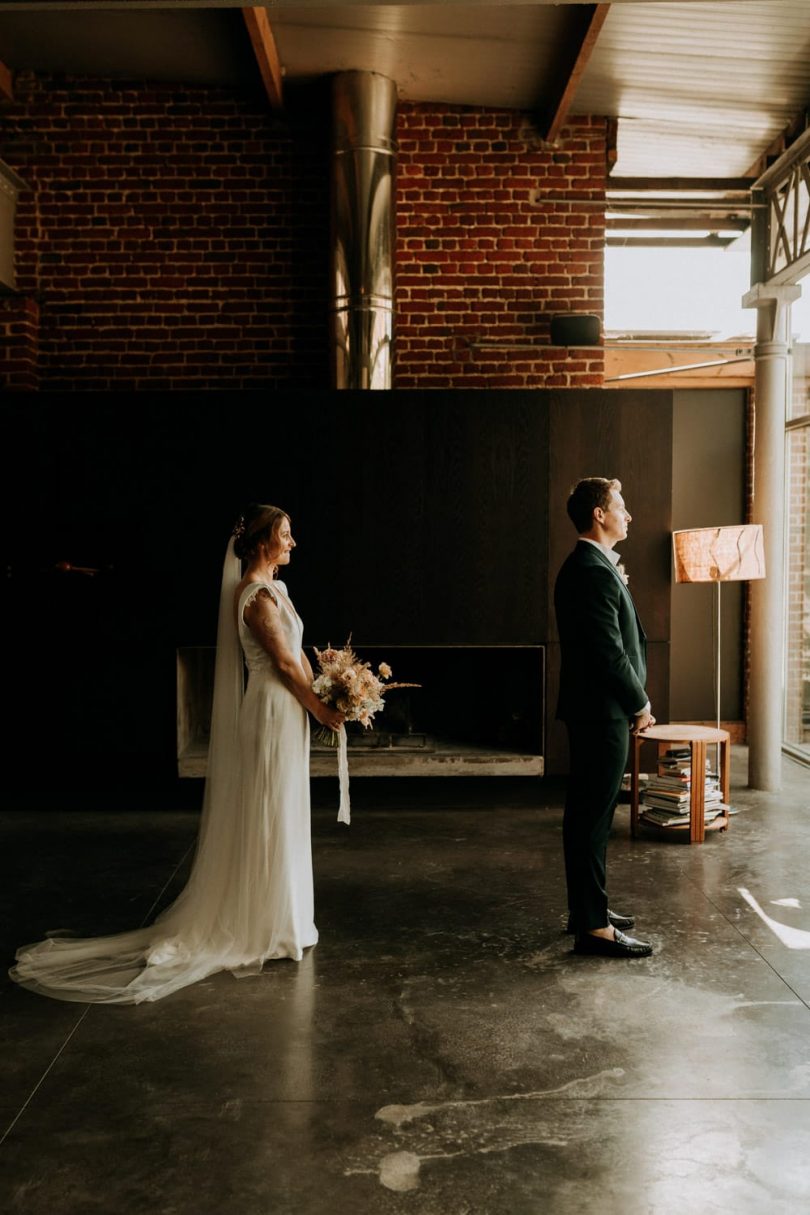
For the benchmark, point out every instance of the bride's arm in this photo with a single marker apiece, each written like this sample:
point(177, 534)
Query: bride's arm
point(307, 668)
point(263, 619)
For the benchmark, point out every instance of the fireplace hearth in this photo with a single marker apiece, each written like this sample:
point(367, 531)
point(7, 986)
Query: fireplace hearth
point(477, 712)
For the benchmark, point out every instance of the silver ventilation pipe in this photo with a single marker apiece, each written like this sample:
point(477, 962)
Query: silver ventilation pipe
point(362, 305)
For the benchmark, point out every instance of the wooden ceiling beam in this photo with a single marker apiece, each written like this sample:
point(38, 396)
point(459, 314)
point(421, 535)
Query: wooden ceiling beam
point(264, 48)
point(587, 20)
point(6, 91)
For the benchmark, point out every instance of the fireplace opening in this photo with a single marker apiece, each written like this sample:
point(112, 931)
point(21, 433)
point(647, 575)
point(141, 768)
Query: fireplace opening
point(479, 710)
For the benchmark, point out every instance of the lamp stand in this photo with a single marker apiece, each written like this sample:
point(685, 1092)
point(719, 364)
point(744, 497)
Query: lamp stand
point(718, 585)
point(717, 659)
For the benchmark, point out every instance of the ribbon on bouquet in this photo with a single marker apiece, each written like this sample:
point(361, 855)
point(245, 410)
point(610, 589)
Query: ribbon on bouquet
point(344, 811)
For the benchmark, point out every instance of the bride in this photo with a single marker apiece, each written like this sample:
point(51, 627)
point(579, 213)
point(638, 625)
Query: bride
point(249, 896)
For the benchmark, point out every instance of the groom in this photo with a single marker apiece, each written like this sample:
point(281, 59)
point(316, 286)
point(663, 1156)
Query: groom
point(602, 697)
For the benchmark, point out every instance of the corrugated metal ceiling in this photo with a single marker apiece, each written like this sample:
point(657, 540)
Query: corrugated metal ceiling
point(699, 89)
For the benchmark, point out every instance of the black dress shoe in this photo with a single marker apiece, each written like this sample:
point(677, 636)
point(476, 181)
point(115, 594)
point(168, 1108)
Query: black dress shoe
point(620, 947)
point(615, 921)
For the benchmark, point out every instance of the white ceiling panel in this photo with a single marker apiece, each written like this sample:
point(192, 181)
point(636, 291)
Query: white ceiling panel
point(475, 56)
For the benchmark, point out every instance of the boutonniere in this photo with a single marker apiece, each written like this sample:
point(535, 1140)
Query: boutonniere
point(620, 571)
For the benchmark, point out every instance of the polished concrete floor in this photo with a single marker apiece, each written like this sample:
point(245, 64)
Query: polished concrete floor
point(441, 1051)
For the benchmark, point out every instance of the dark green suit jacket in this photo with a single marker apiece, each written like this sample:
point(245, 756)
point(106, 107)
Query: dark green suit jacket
point(604, 652)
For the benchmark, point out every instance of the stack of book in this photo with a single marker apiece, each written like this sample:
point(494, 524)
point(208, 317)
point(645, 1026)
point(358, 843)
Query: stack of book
point(667, 795)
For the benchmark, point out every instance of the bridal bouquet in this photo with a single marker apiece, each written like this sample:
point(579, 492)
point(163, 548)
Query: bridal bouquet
point(347, 683)
point(350, 685)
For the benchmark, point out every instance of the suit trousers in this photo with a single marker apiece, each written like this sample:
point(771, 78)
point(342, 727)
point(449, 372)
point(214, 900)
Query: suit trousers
point(598, 755)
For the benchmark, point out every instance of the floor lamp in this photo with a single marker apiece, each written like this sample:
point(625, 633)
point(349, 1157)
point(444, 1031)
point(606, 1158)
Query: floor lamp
point(718, 555)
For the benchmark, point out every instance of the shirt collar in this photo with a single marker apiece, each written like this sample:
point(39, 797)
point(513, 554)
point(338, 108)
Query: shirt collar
point(611, 554)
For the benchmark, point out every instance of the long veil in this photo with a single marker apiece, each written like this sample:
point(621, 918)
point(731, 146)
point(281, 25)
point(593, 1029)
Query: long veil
point(198, 933)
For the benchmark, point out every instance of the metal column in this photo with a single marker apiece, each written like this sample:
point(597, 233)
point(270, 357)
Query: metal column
point(772, 388)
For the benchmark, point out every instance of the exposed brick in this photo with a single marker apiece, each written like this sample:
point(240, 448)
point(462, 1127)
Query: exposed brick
point(478, 227)
point(19, 332)
point(155, 210)
point(172, 230)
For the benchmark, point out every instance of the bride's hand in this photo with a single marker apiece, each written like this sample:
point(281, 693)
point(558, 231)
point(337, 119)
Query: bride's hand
point(330, 717)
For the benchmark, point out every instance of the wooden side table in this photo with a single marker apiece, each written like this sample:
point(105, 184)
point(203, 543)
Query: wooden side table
point(698, 738)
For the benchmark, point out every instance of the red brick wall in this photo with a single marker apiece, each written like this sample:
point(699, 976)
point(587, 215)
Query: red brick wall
point(178, 238)
point(19, 337)
point(174, 238)
point(492, 238)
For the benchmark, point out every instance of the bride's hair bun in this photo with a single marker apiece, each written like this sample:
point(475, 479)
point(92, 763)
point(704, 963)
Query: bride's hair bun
point(258, 524)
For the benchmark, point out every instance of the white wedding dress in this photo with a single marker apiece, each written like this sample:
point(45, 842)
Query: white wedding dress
point(249, 897)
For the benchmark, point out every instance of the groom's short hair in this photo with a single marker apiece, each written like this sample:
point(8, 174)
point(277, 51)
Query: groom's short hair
point(586, 496)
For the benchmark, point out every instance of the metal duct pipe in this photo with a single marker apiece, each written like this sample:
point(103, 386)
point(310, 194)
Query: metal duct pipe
point(362, 314)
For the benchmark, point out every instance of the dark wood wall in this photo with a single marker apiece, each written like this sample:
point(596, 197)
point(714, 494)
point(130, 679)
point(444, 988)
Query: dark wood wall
point(708, 490)
point(421, 518)
point(627, 435)
point(443, 510)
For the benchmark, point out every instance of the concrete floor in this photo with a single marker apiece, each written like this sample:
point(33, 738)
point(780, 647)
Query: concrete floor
point(441, 1051)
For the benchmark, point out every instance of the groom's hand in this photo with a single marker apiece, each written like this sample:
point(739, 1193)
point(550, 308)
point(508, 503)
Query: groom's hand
point(642, 721)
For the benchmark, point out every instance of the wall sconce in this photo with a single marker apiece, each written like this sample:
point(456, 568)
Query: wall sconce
point(575, 329)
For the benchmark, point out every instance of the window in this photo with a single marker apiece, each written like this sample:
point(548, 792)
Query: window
point(797, 538)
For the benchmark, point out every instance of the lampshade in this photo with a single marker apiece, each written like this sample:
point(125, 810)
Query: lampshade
point(719, 554)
